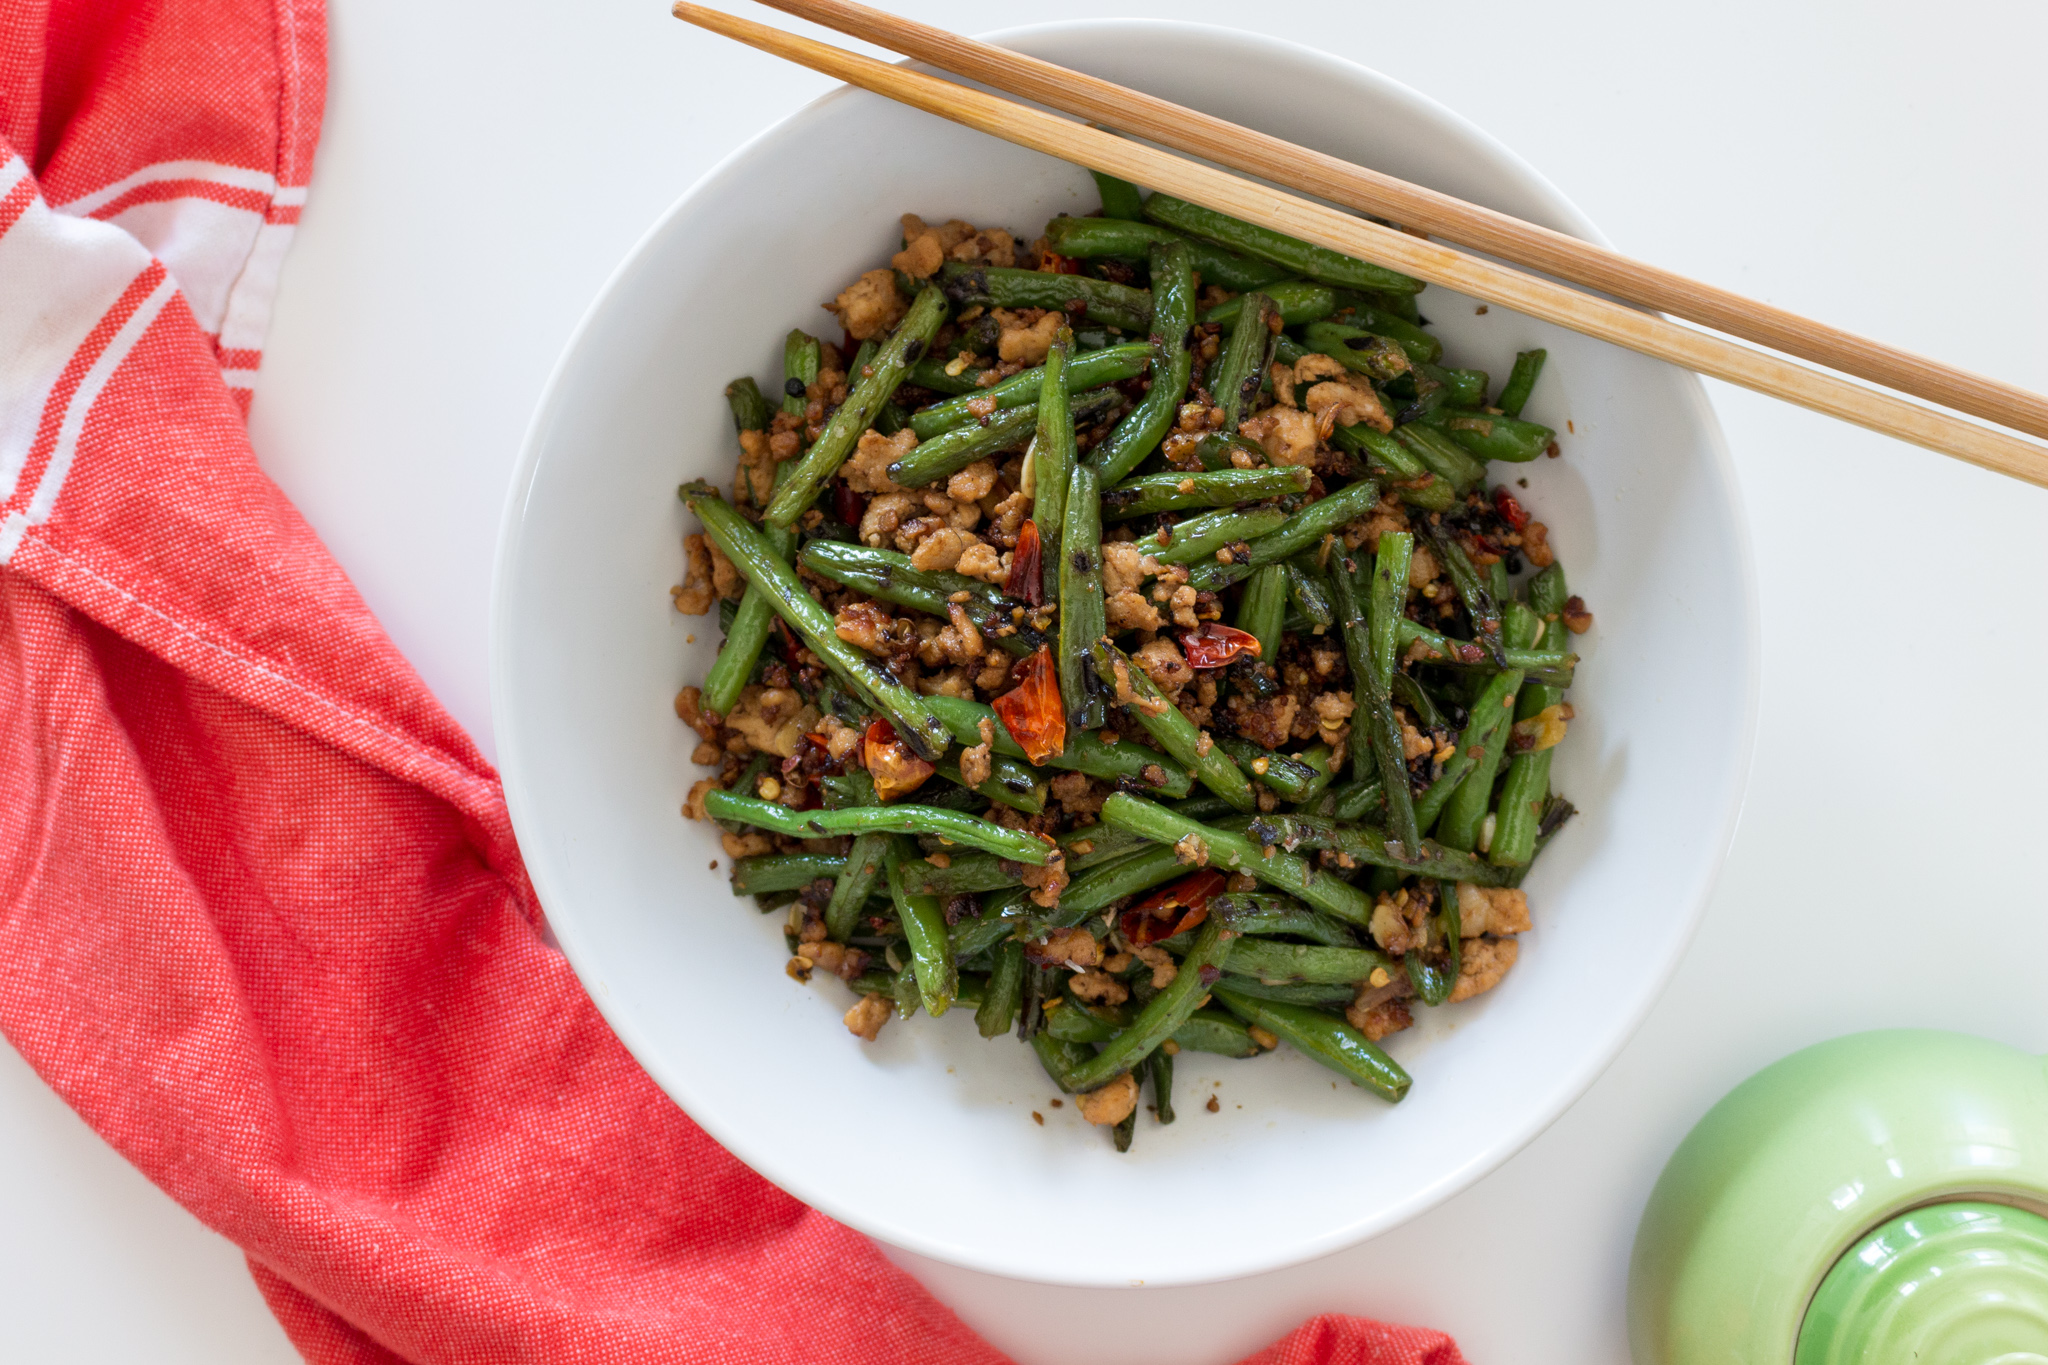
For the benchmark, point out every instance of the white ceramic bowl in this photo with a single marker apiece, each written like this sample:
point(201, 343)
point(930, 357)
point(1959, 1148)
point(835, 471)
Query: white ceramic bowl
point(926, 1139)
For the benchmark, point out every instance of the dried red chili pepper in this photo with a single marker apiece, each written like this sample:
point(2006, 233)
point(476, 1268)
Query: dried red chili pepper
point(1026, 578)
point(1031, 710)
point(1213, 645)
point(896, 770)
point(1052, 263)
point(1171, 910)
point(847, 505)
point(1510, 510)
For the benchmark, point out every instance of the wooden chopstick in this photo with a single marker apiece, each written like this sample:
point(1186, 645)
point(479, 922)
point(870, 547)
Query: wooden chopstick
point(1511, 239)
point(1224, 192)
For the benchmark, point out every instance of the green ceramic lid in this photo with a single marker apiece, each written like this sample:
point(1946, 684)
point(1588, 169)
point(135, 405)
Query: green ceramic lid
point(1954, 1284)
point(1778, 1190)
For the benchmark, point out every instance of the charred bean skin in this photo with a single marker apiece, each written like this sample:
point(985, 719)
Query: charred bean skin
point(1299, 257)
point(1141, 430)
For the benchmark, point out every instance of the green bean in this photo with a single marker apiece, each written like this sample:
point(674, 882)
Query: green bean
point(1297, 301)
point(936, 372)
point(1302, 964)
point(1311, 594)
point(1420, 346)
point(1144, 426)
point(1009, 783)
point(1265, 914)
point(1052, 459)
point(1009, 429)
point(1325, 1038)
point(1113, 305)
point(1527, 787)
point(1060, 1059)
point(1366, 615)
point(1243, 371)
point(1461, 388)
point(1472, 591)
point(1173, 490)
point(1306, 996)
point(1199, 538)
point(1172, 730)
point(1160, 1064)
point(750, 553)
point(1120, 198)
point(1377, 847)
point(1414, 482)
point(768, 872)
point(1302, 531)
point(1547, 593)
point(1262, 609)
point(1003, 993)
point(890, 577)
point(1082, 619)
point(1376, 357)
point(1016, 845)
point(1433, 982)
point(850, 893)
point(1537, 666)
point(1355, 800)
point(1235, 852)
point(965, 875)
point(1303, 258)
point(1291, 777)
point(1466, 787)
point(1217, 1032)
point(872, 387)
point(1164, 1012)
point(1090, 370)
point(974, 873)
point(1100, 887)
point(1490, 436)
point(747, 636)
point(1497, 581)
point(1444, 457)
point(924, 925)
point(750, 410)
point(1089, 238)
point(1514, 395)
point(1122, 762)
point(800, 356)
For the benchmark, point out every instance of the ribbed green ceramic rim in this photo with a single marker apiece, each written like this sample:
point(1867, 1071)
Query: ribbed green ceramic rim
point(1952, 1284)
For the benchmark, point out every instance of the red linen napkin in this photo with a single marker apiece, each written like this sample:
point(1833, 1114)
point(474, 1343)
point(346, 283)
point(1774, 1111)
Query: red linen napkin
point(262, 920)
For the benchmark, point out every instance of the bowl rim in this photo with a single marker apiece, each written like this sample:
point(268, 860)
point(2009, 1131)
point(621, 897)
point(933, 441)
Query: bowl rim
point(1511, 1139)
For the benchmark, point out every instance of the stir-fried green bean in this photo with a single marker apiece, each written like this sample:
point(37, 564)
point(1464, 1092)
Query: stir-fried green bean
point(1113, 305)
point(1143, 427)
point(1297, 301)
point(1093, 238)
point(1172, 491)
point(1303, 258)
point(1238, 853)
point(1008, 429)
point(1199, 538)
point(1244, 360)
point(1079, 582)
point(890, 577)
point(1171, 729)
point(892, 819)
point(750, 553)
point(1325, 1038)
point(1120, 198)
point(1127, 762)
point(872, 386)
point(1089, 370)
point(1521, 382)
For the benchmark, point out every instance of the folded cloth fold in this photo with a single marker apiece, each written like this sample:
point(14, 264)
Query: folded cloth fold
point(264, 923)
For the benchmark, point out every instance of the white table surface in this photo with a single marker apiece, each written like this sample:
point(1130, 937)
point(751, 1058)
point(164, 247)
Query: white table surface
point(1870, 162)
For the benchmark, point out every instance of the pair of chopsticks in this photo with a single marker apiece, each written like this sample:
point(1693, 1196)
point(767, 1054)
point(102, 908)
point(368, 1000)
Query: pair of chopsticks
point(1357, 187)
